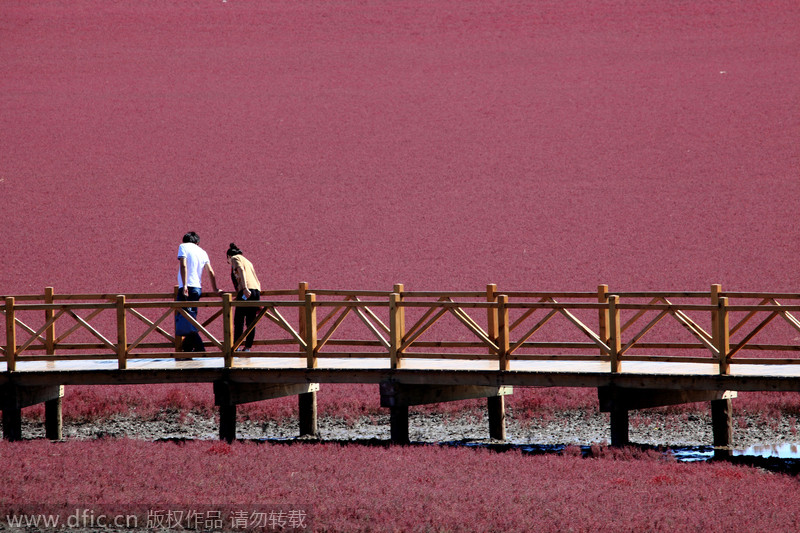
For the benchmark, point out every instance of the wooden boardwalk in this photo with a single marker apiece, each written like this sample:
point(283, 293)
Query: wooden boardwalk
point(639, 349)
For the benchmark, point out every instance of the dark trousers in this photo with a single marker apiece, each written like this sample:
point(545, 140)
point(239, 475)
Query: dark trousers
point(192, 341)
point(244, 316)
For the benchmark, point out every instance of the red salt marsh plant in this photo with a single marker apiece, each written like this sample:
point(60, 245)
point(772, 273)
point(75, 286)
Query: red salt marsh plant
point(355, 488)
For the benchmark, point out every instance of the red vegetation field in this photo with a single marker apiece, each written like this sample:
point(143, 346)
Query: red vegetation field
point(352, 488)
point(442, 144)
point(445, 145)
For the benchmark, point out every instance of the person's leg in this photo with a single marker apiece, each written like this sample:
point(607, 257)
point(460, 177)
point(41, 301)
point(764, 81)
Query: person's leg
point(195, 341)
point(238, 323)
point(250, 317)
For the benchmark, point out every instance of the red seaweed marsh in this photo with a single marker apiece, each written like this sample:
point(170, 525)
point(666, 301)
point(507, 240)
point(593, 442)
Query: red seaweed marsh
point(548, 146)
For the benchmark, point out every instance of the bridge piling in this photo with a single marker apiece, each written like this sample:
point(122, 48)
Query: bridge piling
point(496, 408)
point(13, 398)
point(53, 420)
point(307, 414)
point(619, 426)
point(227, 423)
point(619, 401)
point(722, 427)
point(399, 396)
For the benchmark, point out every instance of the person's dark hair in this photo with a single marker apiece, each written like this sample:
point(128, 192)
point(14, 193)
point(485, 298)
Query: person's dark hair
point(191, 237)
point(233, 250)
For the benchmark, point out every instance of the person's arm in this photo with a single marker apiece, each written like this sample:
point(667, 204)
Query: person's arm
point(212, 276)
point(185, 287)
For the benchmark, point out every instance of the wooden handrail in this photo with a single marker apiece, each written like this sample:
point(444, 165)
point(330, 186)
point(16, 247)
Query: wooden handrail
point(618, 329)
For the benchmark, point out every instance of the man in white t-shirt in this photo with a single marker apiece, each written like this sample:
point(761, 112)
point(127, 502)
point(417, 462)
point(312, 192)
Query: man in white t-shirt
point(193, 261)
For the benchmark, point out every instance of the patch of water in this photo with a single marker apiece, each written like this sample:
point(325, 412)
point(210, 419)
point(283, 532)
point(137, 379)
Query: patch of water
point(787, 450)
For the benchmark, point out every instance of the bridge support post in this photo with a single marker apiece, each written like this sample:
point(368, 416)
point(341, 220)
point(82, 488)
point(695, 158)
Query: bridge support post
point(398, 421)
point(307, 414)
point(722, 427)
point(227, 423)
point(12, 423)
point(399, 396)
point(229, 394)
point(53, 421)
point(496, 408)
point(619, 426)
point(618, 402)
point(14, 397)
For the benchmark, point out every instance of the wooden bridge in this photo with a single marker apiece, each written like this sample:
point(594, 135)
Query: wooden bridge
point(639, 349)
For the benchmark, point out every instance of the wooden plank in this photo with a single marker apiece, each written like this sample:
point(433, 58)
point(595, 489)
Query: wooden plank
point(276, 317)
point(602, 318)
point(238, 342)
point(330, 315)
point(633, 399)
point(637, 316)
point(375, 317)
point(191, 319)
point(37, 335)
point(233, 393)
point(723, 336)
point(18, 397)
point(644, 331)
point(50, 333)
point(491, 313)
point(154, 325)
point(747, 317)
point(77, 326)
point(586, 331)
point(661, 294)
point(395, 330)
point(473, 327)
point(614, 332)
point(372, 328)
point(395, 394)
point(122, 333)
point(412, 330)
point(419, 330)
point(110, 345)
point(311, 330)
point(503, 340)
point(522, 340)
point(742, 343)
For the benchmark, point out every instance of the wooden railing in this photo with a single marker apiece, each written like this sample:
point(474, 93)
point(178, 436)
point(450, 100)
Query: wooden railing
point(694, 327)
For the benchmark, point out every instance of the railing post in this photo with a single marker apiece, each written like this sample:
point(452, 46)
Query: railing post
point(50, 332)
point(491, 296)
point(721, 410)
point(720, 332)
point(122, 333)
point(602, 297)
point(311, 330)
point(615, 335)
point(302, 289)
point(178, 338)
point(11, 336)
point(227, 330)
point(716, 289)
point(495, 405)
point(396, 329)
point(723, 337)
point(503, 343)
point(399, 288)
point(307, 401)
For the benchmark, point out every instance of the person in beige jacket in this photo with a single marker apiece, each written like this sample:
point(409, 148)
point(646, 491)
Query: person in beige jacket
point(247, 287)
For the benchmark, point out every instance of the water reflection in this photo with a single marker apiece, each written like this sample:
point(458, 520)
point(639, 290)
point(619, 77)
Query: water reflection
point(787, 450)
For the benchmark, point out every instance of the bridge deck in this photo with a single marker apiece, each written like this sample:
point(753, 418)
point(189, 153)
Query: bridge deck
point(638, 374)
